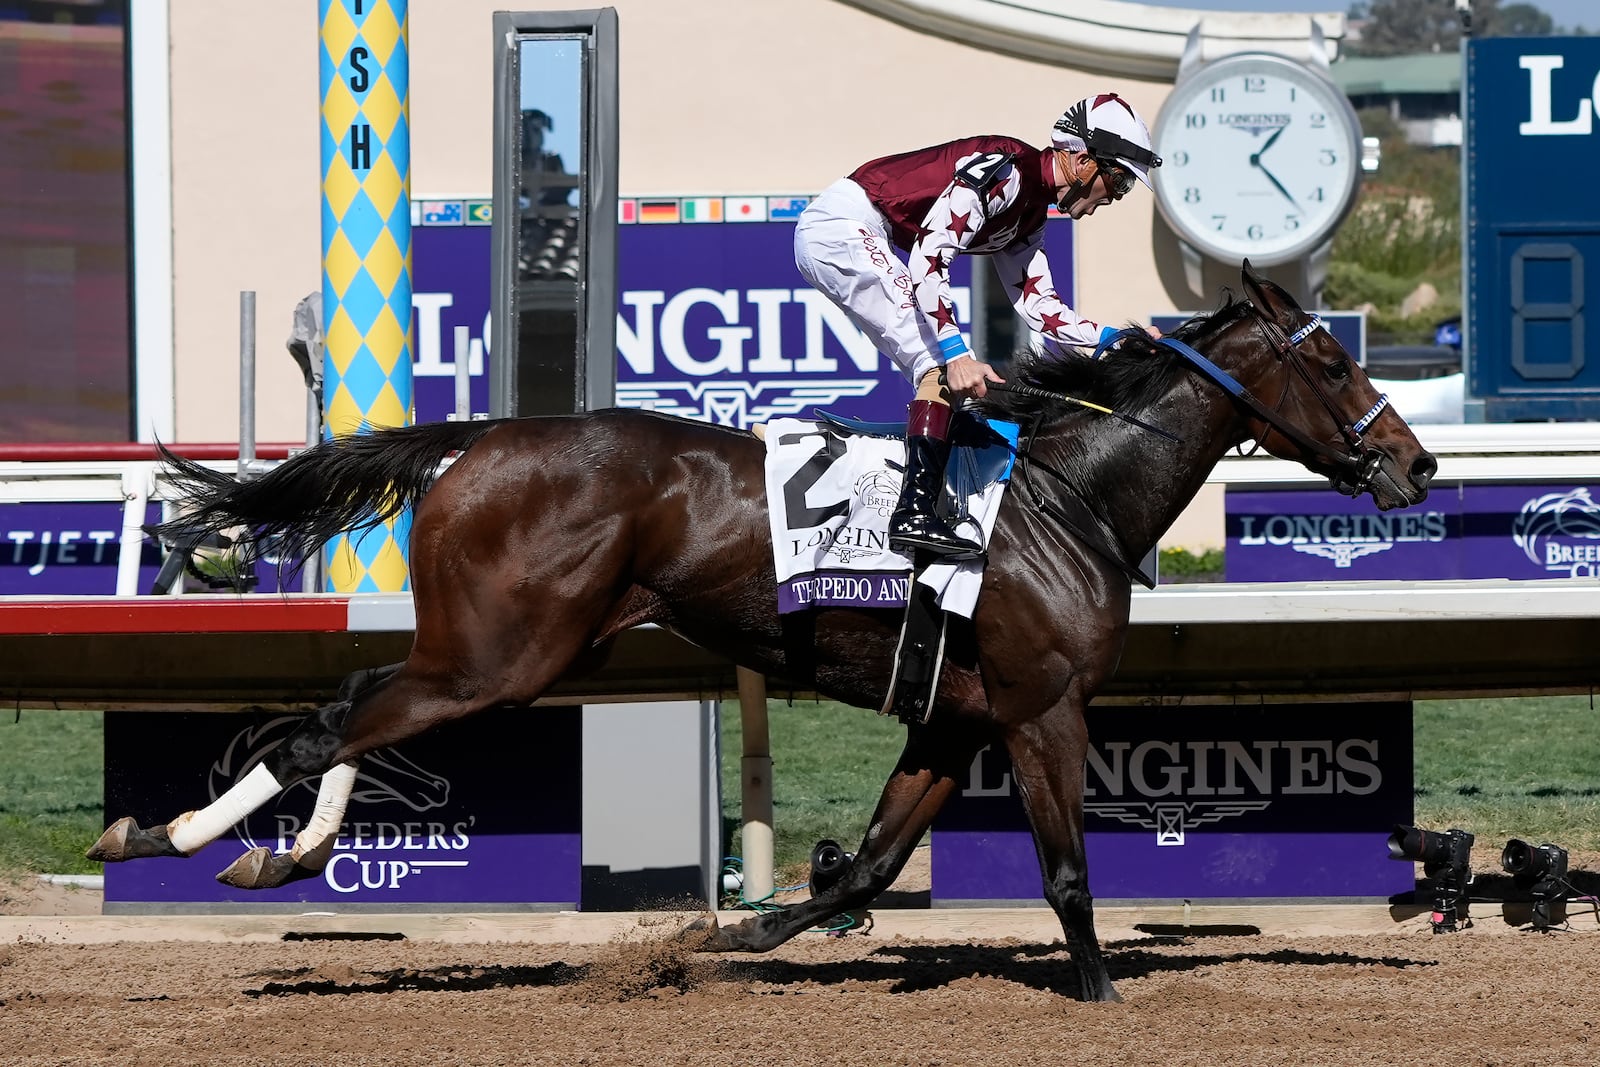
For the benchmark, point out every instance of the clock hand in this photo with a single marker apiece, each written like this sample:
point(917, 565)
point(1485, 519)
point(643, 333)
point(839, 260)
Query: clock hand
point(1275, 135)
point(1276, 184)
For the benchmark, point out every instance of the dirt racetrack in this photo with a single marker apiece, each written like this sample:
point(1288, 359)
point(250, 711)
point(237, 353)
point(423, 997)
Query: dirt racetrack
point(916, 988)
point(1468, 999)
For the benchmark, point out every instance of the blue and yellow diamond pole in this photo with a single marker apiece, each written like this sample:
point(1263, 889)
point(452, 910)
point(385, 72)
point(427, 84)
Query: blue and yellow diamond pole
point(366, 256)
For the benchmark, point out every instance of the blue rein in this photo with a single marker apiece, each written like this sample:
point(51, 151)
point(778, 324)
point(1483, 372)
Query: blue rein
point(1235, 389)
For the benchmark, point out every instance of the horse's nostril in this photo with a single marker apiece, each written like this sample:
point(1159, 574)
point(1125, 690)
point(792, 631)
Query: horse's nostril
point(1423, 468)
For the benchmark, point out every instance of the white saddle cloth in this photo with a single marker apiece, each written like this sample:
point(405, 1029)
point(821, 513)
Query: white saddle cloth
point(829, 497)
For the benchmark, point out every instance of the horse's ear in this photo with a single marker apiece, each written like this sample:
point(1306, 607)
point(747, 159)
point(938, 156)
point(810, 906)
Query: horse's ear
point(1272, 299)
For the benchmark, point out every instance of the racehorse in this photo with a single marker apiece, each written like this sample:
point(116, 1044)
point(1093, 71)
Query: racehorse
point(546, 537)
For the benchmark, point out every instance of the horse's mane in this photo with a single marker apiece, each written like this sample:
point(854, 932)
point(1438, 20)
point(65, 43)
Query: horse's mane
point(1129, 378)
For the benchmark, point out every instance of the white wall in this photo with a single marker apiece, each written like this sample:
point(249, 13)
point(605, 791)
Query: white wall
point(717, 96)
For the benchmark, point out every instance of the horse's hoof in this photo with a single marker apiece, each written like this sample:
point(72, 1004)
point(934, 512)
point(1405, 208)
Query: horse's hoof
point(123, 840)
point(1104, 993)
point(703, 934)
point(261, 868)
point(113, 844)
point(253, 870)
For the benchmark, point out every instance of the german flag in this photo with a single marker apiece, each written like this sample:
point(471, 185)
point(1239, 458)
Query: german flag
point(658, 211)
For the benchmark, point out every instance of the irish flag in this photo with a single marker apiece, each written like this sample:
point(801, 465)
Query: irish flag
point(702, 209)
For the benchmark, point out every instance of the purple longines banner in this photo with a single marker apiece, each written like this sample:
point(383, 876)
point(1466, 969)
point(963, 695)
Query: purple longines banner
point(450, 288)
point(1465, 531)
point(70, 548)
point(714, 322)
point(1200, 802)
point(717, 324)
point(457, 819)
point(67, 549)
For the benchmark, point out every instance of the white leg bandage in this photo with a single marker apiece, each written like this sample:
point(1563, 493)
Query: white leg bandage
point(193, 830)
point(333, 794)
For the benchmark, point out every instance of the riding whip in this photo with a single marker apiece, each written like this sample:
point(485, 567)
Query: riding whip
point(1046, 394)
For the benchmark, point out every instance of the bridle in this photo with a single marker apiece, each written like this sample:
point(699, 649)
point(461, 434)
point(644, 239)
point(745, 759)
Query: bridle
point(1355, 468)
point(1358, 464)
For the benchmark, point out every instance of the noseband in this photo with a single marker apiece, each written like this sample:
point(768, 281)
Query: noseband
point(1358, 464)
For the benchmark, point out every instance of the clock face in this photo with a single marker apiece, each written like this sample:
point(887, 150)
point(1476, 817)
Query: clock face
point(1260, 158)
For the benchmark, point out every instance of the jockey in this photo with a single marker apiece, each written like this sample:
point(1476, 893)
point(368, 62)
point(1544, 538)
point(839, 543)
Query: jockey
point(986, 195)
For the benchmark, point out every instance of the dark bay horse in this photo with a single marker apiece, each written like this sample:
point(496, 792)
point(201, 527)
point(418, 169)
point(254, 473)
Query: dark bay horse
point(549, 536)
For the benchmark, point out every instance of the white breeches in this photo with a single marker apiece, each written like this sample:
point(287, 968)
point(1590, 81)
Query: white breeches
point(843, 248)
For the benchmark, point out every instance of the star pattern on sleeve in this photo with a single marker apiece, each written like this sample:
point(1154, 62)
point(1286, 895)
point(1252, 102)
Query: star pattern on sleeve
point(960, 224)
point(1025, 272)
point(936, 264)
point(945, 315)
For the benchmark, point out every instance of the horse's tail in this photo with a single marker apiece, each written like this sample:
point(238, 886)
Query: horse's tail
point(344, 484)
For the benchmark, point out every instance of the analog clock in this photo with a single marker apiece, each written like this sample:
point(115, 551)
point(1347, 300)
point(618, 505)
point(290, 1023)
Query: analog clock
point(1261, 158)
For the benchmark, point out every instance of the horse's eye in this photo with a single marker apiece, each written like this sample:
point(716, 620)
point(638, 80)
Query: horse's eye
point(1339, 370)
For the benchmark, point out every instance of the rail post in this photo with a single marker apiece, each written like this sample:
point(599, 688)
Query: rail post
point(755, 793)
point(366, 256)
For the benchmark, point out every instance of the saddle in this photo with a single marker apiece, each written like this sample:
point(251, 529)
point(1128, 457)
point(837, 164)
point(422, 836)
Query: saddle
point(919, 653)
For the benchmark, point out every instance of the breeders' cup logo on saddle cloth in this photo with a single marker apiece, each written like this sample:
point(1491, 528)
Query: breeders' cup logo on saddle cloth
point(1560, 532)
point(879, 491)
point(362, 853)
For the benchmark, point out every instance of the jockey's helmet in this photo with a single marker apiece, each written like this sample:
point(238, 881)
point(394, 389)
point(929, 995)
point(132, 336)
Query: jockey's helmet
point(1109, 129)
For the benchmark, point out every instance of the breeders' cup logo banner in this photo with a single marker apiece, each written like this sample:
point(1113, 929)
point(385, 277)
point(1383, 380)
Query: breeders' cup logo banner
point(1469, 531)
point(1559, 532)
point(1203, 801)
point(464, 821)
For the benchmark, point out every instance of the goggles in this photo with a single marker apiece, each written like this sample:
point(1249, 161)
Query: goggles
point(1119, 179)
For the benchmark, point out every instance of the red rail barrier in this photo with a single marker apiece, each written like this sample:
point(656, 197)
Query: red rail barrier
point(131, 451)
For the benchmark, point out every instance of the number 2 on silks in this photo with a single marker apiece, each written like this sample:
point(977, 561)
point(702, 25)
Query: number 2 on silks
point(800, 514)
point(983, 171)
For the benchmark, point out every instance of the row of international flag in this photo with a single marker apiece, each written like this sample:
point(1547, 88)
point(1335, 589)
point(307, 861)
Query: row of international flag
point(638, 209)
point(711, 209)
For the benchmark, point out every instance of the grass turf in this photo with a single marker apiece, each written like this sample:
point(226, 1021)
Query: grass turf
point(1527, 767)
point(51, 790)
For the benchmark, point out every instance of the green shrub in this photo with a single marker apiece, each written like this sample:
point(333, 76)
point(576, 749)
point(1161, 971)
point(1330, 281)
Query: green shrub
point(1182, 565)
point(1404, 230)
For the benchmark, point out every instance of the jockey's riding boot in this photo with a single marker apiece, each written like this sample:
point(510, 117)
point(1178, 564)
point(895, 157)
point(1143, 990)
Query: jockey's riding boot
point(916, 524)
